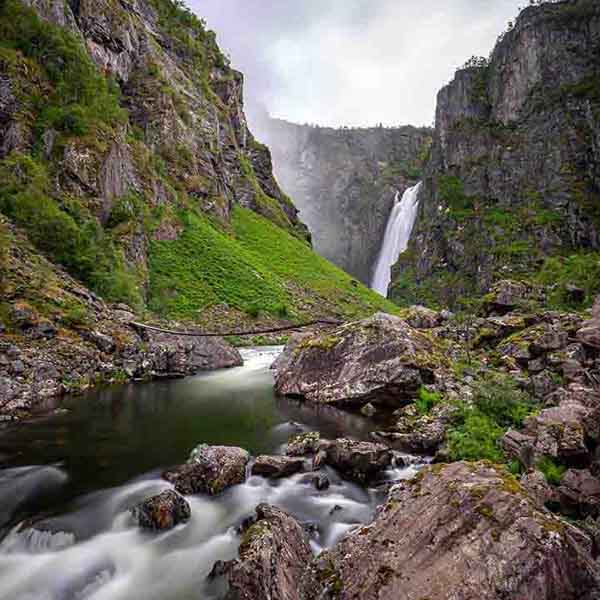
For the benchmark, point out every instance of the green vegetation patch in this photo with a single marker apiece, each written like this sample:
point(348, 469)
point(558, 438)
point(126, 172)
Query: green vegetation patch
point(261, 269)
point(497, 405)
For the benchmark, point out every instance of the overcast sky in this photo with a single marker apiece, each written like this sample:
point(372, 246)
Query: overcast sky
point(352, 62)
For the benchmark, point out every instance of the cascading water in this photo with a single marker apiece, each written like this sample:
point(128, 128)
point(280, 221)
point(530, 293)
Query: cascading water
point(397, 234)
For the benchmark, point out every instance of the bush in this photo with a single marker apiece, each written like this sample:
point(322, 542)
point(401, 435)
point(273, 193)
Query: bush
point(81, 246)
point(497, 405)
point(553, 472)
point(79, 94)
point(476, 438)
point(499, 399)
point(452, 192)
point(427, 400)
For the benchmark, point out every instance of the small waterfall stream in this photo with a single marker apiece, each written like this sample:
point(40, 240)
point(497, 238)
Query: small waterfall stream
point(397, 234)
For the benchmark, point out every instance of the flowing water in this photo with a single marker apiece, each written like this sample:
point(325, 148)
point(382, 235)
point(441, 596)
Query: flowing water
point(70, 478)
point(397, 235)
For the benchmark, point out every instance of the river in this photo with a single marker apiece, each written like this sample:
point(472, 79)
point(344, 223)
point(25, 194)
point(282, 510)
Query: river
point(70, 477)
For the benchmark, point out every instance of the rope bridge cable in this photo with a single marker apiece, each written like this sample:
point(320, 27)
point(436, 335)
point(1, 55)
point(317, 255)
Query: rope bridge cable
point(256, 332)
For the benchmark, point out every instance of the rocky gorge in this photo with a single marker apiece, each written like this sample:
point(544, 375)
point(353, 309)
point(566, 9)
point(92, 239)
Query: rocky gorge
point(443, 447)
point(344, 182)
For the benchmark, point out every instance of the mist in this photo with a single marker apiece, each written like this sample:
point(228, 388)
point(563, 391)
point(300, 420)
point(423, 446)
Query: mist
point(352, 62)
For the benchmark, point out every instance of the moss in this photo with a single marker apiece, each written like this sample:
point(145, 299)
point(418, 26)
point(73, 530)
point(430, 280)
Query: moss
point(486, 510)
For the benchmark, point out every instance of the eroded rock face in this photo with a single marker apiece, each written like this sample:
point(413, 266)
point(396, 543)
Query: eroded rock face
point(162, 512)
point(379, 360)
point(272, 557)
point(459, 531)
point(209, 470)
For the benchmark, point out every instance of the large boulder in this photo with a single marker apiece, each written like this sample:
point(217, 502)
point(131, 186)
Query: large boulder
point(209, 470)
point(162, 512)
point(379, 360)
point(178, 355)
point(360, 461)
point(272, 557)
point(461, 531)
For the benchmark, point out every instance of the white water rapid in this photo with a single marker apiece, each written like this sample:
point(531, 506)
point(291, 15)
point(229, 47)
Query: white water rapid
point(397, 234)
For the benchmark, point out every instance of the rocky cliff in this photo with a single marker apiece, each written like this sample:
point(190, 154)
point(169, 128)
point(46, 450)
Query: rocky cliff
point(128, 176)
point(513, 185)
point(344, 182)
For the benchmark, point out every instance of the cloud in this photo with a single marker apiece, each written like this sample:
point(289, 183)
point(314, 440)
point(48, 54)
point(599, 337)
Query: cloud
point(352, 62)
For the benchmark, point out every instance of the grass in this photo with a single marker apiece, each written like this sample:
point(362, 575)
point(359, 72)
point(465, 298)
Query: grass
point(261, 270)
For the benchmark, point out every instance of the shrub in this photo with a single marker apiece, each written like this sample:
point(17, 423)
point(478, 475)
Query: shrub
point(427, 400)
point(553, 472)
point(499, 399)
point(497, 405)
point(452, 192)
point(476, 438)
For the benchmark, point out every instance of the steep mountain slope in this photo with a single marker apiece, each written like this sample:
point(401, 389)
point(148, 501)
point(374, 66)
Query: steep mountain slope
point(122, 132)
point(344, 182)
point(513, 185)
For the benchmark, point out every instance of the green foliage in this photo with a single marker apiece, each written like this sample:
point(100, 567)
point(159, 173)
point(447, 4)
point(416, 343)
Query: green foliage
point(581, 269)
point(553, 472)
point(502, 401)
point(125, 209)
point(476, 438)
point(497, 405)
point(79, 95)
point(452, 192)
point(262, 270)
point(427, 400)
point(81, 246)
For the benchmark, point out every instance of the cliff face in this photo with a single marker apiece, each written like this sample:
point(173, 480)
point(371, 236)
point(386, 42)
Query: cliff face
point(344, 182)
point(514, 176)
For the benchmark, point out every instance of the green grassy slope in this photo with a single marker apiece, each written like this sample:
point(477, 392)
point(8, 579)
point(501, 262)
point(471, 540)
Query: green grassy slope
point(258, 269)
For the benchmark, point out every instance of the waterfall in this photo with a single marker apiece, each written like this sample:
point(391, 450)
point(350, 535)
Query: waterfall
point(397, 234)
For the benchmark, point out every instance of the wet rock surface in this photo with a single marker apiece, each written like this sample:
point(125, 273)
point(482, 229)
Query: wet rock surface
point(273, 555)
point(209, 470)
point(381, 360)
point(275, 467)
point(162, 512)
point(356, 460)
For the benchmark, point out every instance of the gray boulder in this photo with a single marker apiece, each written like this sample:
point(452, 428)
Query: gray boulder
point(465, 530)
point(381, 360)
point(276, 467)
point(209, 470)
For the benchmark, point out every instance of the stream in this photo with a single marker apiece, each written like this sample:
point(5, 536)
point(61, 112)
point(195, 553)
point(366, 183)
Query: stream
point(69, 478)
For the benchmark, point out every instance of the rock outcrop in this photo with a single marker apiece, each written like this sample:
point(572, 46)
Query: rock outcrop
point(272, 557)
point(464, 531)
point(209, 470)
point(344, 182)
point(513, 176)
point(381, 360)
